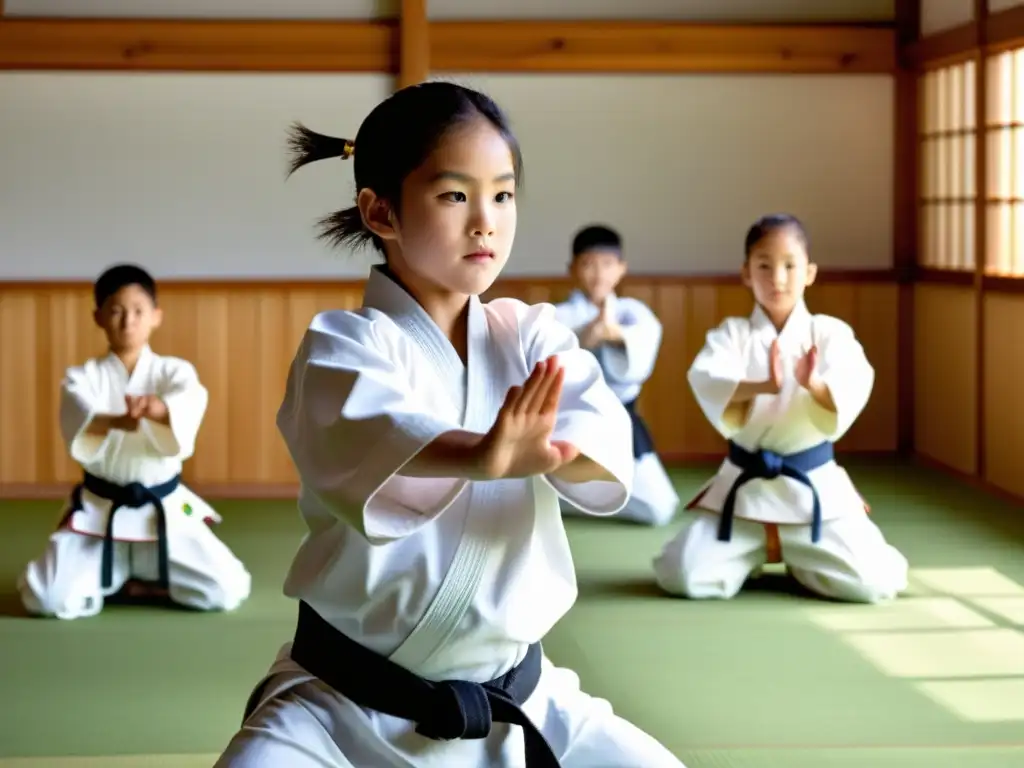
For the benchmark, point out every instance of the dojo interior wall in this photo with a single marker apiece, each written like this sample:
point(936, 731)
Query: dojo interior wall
point(968, 347)
point(183, 173)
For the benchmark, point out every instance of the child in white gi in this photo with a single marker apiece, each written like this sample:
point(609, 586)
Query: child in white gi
point(625, 335)
point(782, 386)
point(131, 526)
point(433, 435)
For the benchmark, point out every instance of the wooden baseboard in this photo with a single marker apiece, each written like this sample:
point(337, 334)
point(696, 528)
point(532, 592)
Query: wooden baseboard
point(284, 491)
point(681, 459)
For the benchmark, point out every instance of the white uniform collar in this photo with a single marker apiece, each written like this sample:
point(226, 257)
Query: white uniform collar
point(385, 294)
point(799, 321)
point(145, 355)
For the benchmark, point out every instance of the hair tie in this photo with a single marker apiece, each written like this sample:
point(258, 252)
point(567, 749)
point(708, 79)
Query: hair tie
point(348, 150)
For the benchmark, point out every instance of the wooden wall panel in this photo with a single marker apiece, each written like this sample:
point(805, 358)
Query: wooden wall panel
point(945, 362)
point(1004, 408)
point(242, 336)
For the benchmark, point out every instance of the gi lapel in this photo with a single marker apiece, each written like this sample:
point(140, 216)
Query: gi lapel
point(478, 401)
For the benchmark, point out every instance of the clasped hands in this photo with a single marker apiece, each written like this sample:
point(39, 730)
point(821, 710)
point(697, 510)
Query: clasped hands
point(602, 329)
point(138, 407)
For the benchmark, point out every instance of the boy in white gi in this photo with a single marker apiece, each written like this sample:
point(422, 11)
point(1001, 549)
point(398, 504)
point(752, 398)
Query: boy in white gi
point(782, 386)
point(131, 526)
point(624, 335)
point(433, 435)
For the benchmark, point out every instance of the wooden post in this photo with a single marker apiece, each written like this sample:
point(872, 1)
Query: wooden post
point(414, 43)
point(980, 225)
point(906, 214)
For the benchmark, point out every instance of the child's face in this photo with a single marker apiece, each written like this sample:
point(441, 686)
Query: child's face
point(128, 318)
point(778, 270)
point(598, 272)
point(458, 213)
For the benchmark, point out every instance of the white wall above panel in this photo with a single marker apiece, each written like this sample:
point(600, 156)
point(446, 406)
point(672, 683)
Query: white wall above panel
point(679, 10)
point(994, 6)
point(186, 173)
point(940, 15)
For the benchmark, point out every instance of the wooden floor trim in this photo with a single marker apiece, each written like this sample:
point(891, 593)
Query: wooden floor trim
point(968, 478)
point(826, 277)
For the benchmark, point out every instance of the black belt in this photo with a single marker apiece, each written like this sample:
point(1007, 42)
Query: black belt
point(132, 495)
point(443, 711)
point(768, 465)
point(643, 443)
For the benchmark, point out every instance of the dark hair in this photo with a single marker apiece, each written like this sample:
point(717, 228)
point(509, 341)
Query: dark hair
point(596, 236)
point(766, 225)
point(393, 141)
point(117, 277)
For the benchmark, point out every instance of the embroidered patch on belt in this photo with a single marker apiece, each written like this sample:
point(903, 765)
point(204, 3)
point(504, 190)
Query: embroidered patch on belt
point(186, 508)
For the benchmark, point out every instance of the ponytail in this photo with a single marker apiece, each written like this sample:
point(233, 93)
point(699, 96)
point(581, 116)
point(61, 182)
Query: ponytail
point(341, 227)
point(309, 146)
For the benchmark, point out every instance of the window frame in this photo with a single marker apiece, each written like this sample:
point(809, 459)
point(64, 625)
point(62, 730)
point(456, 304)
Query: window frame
point(947, 192)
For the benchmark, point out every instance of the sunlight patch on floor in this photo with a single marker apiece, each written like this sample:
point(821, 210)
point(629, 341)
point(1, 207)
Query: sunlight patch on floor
point(1009, 608)
point(943, 654)
point(979, 701)
point(968, 582)
point(905, 614)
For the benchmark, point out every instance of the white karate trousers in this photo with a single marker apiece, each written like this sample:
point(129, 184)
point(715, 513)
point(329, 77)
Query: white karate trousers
point(66, 580)
point(852, 562)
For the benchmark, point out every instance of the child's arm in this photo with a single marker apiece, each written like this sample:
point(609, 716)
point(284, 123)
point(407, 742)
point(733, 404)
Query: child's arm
point(452, 454)
point(632, 350)
point(841, 386)
point(718, 380)
point(353, 427)
point(583, 469)
point(82, 426)
point(590, 417)
point(172, 417)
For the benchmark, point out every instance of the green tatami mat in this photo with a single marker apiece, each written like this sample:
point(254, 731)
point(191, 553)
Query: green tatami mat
point(771, 678)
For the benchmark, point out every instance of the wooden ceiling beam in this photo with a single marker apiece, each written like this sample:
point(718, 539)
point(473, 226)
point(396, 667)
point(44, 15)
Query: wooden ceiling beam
point(649, 47)
point(491, 46)
point(198, 46)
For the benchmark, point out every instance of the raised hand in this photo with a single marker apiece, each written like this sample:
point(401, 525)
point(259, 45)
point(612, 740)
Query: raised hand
point(776, 370)
point(519, 444)
point(806, 366)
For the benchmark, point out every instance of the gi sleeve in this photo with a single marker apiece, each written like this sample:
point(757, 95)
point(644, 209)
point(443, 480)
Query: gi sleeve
point(844, 368)
point(186, 400)
point(77, 410)
point(632, 361)
point(351, 421)
point(714, 375)
point(590, 416)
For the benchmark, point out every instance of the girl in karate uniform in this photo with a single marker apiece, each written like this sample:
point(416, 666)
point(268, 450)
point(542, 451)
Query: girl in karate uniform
point(782, 386)
point(434, 435)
